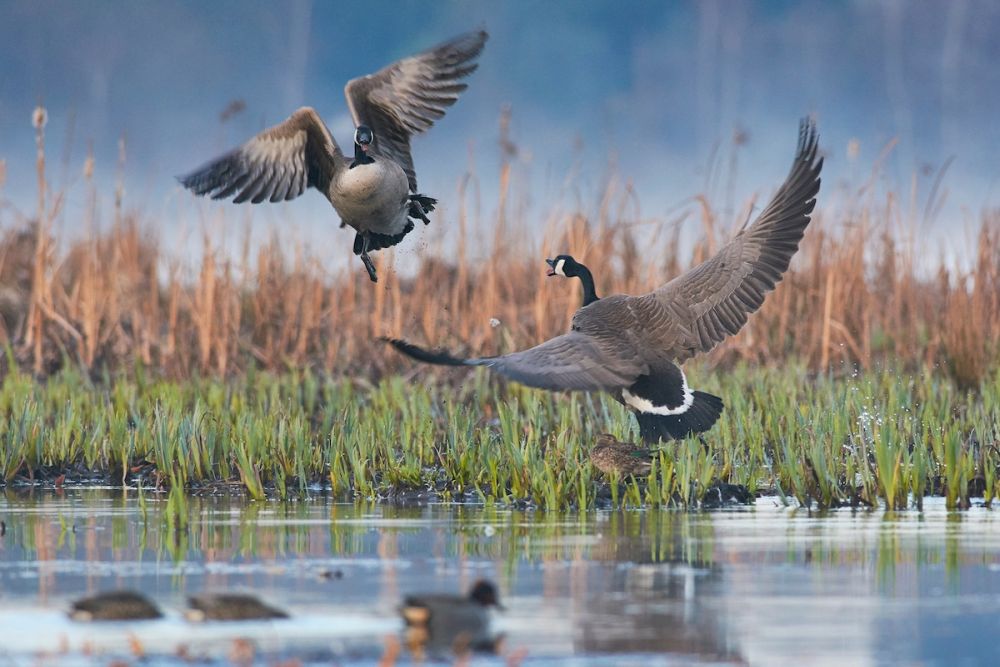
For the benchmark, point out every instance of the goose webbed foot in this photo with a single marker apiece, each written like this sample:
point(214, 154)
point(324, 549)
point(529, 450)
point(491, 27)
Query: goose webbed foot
point(420, 206)
point(362, 243)
point(369, 265)
point(416, 211)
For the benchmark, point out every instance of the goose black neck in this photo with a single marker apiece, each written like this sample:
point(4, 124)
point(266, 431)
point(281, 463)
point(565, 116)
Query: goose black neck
point(360, 156)
point(589, 293)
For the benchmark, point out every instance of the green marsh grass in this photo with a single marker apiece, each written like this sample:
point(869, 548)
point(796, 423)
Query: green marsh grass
point(873, 439)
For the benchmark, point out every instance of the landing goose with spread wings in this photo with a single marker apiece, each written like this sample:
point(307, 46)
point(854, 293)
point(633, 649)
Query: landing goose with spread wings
point(633, 346)
point(375, 192)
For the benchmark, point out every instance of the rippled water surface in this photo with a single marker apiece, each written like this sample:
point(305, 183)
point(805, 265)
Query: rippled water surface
point(762, 585)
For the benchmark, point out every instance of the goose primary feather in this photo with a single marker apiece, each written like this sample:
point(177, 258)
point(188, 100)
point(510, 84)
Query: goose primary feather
point(375, 191)
point(633, 346)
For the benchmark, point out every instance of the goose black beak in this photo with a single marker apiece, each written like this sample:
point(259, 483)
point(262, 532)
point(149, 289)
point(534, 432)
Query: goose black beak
point(552, 267)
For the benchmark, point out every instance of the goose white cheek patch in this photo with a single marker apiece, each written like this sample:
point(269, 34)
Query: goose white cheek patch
point(559, 267)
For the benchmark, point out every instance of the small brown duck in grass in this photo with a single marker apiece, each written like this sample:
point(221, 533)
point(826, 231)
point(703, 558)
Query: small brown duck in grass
point(114, 606)
point(229, 607)
point(441, 622)
point(611, 455)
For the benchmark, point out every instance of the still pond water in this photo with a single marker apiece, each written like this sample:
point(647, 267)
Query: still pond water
point(761, 585)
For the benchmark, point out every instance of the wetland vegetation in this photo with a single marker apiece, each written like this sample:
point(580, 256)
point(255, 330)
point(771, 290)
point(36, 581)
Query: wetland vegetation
point(874, 438)
point(251, 422)
point(194, 398)
point(870, 377)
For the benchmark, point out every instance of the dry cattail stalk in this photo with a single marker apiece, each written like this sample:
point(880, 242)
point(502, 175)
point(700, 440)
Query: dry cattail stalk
point(860, 291)
point(39, 118)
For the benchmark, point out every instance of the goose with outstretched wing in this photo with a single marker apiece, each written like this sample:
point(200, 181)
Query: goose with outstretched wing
point(375, 191)
point(633, 346)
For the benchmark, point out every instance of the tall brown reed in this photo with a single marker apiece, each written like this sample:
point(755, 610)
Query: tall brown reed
point(855, 294)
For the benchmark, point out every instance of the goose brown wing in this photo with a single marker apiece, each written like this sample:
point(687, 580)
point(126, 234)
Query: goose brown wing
point(277, 164)
point(406, 97)
point(571, 362)
point(700, 308)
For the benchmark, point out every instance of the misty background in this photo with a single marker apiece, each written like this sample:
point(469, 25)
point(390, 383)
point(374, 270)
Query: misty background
point(651, 95)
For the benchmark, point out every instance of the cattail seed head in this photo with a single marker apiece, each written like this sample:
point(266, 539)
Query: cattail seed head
point(39, 118)
point(853, 149)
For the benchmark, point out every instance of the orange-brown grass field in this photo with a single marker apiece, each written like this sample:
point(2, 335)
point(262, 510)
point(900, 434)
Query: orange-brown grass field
point(106, 332)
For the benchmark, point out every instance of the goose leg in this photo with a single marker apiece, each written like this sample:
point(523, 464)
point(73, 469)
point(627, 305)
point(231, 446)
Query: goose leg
point(420, 206)
point(417, 211)
point(368, 260)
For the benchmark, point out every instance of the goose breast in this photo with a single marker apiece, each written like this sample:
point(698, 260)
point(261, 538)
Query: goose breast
point(371, 196)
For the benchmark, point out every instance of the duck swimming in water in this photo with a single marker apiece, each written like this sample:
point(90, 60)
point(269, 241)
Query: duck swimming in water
point(439, 621)
point(229, 607)
point(114, 606)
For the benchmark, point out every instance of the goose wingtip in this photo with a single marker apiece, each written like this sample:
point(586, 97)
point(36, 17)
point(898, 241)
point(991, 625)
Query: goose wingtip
point(394, 343)
point(808, 134)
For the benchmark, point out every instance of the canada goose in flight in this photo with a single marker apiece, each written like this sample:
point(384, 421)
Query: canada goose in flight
point(564, 265)
point(375, 192)
point(632, 346)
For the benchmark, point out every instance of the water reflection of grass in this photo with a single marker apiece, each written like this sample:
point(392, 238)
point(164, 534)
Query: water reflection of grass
point(294, 539)
point(880, 438)
point(274, 532)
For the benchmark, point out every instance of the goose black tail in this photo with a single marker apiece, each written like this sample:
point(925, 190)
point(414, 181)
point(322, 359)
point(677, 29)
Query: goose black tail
point(439, 357)
point(379, 241)
point(703, 413)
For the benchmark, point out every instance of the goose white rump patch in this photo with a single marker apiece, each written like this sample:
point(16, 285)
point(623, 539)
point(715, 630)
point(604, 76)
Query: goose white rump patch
point(645, 405)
